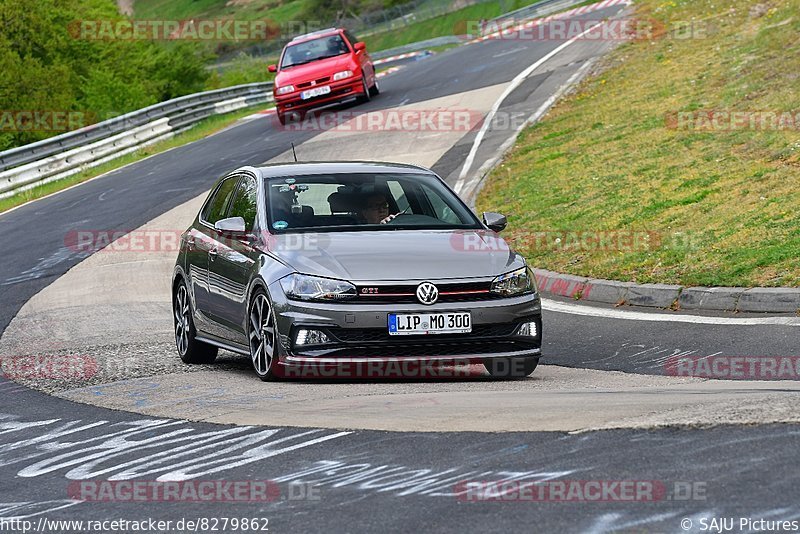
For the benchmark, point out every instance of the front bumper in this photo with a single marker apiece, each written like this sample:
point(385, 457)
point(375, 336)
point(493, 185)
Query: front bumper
point(341, 91)
point(359, 332)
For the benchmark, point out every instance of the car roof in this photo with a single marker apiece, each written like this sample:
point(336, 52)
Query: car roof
point(339, 167)
point(314, 35)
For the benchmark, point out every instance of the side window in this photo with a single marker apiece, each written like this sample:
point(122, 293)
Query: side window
point(245, 204)
point(217, 206)
point(398, 194)
point(442, 211)
point(351, 38)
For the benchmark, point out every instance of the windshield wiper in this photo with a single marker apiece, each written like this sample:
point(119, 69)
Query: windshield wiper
point(296, 64)
point(327, 57)
point(309, 61)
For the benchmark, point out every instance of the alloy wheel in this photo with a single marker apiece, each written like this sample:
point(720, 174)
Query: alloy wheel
point(262, 335)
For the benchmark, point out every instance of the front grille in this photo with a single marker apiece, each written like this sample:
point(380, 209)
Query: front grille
point(485, 339)
point(426, 350)
point(319, 81)
point(448, 292)
point(333, 95)
point(381, 335)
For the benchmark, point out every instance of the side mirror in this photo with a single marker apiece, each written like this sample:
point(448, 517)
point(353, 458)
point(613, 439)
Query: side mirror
point(231, 225)
point(272, 68)
point(494, 221)
point(360, 46)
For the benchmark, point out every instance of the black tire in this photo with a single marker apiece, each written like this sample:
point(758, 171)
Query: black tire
point(282, 118)
point(189, 348)
point(262, 336)
point(375, 90)
point(366, 96)
point(510, 367)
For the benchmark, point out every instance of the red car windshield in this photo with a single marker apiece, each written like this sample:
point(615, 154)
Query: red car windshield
point(308, 51)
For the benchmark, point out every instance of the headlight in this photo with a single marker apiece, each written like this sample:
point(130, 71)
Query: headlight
point(342, 75)
point(304, 287)
point(285, 89)
point(516, 282)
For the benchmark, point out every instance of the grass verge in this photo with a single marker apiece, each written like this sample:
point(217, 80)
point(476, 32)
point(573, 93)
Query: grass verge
point(455, 23)
point(249, 69)
point(274, 10)
point(199, 131)
point(719, 204)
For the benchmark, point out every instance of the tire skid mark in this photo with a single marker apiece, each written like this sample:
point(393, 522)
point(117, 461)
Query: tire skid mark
point(165, 449)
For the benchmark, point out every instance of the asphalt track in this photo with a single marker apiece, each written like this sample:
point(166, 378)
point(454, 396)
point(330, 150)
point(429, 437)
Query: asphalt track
point(372, 479)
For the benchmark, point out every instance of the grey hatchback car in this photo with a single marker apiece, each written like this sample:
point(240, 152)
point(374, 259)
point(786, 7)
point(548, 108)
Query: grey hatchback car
point(320, 264)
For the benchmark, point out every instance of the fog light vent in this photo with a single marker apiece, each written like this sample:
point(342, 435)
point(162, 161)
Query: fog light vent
point(311, 337)
point(528, 329)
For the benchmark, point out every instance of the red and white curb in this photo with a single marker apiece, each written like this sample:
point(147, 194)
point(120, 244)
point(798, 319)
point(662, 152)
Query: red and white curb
point(258, 115)
point(536, 22)
point(390, 70)
point(399, 57)
point(670, 296)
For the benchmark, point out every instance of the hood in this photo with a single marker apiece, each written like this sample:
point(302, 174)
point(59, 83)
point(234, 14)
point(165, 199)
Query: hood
point(397, 255)
point(314, 70)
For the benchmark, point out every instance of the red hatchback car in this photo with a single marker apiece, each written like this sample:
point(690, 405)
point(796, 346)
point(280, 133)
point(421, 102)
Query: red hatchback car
point(321, 69)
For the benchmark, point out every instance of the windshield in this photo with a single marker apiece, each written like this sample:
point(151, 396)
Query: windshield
point(313, 50)
point(347, 202)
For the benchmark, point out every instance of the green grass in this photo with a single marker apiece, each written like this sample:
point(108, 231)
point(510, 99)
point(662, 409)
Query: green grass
point(247, 69)
point(724, 204)
point(283, 15)
point(455, 23)
point(274, 10)
point(243, 69)
point(199, 131)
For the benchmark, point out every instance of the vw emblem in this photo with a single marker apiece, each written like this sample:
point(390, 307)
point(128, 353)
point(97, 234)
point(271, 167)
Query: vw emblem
point(427, 293)
point(313, 82)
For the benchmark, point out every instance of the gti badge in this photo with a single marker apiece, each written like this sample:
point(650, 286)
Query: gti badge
point(427, 293)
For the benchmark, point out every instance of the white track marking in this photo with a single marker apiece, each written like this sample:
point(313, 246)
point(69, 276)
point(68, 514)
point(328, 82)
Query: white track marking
point(515, 83)
point(467, 190)
point(606, 313)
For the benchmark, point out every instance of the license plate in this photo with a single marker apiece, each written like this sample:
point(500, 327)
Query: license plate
point(311, 93)
point(429, 323)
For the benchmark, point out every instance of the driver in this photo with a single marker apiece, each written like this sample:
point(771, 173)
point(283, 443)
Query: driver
point(376, 209)
point(335, 46)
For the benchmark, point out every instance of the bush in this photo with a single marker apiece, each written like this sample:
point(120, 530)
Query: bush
point(243, 69)
point(46, 67)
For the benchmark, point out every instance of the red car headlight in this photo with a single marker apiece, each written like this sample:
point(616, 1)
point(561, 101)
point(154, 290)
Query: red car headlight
point(342, 75)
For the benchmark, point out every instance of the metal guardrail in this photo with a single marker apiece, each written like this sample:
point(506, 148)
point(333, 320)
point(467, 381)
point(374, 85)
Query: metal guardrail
point(57, 157)
point(171, 108)
point(545, 7)
point(60, 156)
